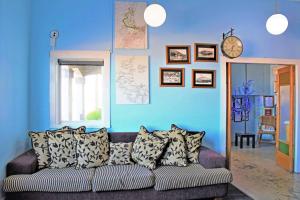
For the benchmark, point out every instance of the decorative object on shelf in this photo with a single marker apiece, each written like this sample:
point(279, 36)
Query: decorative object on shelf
point(203, 78)
point(178, 54)
point(171, 77)
point(232, 46)
point(205, 52)
point(268, 101)
point(155, 15)
point(130, 27)
point(132, 80)
point(268, 112)
point(277, 23)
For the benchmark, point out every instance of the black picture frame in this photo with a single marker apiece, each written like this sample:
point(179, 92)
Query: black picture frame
point(245, 116)
point(175, 71)
point(204, 52)
point(237, 102)
point(237, 117)
point(269, 101)
point(183, 50)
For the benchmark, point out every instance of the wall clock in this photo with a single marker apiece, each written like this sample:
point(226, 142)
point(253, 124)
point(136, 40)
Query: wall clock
point(232, 46)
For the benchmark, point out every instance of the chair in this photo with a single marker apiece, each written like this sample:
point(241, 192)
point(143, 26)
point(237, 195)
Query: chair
point(267, 125)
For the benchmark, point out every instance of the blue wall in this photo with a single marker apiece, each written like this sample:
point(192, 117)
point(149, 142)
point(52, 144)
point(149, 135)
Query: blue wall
point(88, 25)
point(14, 59)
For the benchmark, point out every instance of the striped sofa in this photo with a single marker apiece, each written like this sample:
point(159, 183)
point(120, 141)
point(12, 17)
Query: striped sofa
point(207, 180)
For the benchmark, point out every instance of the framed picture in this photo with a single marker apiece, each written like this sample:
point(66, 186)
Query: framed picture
point(178, 54)
point(203, 78)
point(245, 116)
point(171, 77)
point(206, 52)
point(237, 103)
point(268, 101)
point(268, 111)
point(237, 117)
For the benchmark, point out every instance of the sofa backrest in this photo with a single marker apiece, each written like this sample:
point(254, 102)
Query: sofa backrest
point(122, 136)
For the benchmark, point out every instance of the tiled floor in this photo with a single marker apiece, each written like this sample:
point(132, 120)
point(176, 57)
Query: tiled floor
point(256, 174)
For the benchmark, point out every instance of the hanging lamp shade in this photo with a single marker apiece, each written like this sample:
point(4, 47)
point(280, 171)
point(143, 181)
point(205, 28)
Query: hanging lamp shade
point(155, 15)
point(277, 24)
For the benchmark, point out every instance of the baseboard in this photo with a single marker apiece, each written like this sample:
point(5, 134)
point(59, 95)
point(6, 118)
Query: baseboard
point(2, 197)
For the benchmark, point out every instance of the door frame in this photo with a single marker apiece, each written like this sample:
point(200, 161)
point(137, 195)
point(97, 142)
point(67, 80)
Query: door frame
point(225, 102)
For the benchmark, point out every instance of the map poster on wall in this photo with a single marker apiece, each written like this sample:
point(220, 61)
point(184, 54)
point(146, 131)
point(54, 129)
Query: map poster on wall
point(130, 27)
point(132, 80)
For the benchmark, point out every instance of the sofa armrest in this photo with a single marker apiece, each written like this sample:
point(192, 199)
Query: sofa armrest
point(25, 163)
point(211, 159)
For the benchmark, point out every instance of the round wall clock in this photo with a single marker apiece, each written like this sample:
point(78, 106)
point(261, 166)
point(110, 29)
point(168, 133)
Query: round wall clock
point(232, 47)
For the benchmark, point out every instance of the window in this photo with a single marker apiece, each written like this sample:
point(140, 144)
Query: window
point(80, 89)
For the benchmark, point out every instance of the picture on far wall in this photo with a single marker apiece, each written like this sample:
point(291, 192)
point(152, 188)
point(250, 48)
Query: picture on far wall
point(130, 26)
point(237, 117)
point(205, 52)
point(178, 54)
point(268, 101)
point(237, 102)
point(171, 77)
point(203, 78)
point(132, 80)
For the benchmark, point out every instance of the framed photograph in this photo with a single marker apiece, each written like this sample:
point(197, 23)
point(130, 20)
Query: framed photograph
point(203, 78)
point(237, 103)
point(268, 111)
point(237, 117)
point(171, 77)
point(268, 101)
point(245, 116)
point(206, 52)
point(178, 54)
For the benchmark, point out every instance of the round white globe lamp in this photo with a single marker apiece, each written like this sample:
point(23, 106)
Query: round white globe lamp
point(155, 15)
point(277, 24)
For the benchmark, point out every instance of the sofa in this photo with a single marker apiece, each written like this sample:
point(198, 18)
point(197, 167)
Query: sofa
point(207, 180)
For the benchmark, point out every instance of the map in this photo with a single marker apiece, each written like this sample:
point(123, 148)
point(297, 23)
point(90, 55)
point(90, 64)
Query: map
point(130, 27)
point(132, 80)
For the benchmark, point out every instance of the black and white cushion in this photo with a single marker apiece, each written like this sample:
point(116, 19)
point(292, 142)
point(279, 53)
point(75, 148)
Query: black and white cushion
point(122, 177)
point(194, 175)
point(39, 141)
point(92, 149)
point(147, 148)
point(175, 153)
point(193, 143)
point(51, 180)
point(120, 153)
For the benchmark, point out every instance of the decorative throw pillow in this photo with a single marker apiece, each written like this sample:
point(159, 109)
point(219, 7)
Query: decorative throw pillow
point(193, 143)
point(175, 153)
point(120, 154)
point(61, 148)
point(147, 148)
point(39, 141)
point(92, 149)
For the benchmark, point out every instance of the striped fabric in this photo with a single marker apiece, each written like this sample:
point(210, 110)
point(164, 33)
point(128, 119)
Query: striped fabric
point(194, 175)
point(122, 177)
point(51, 180)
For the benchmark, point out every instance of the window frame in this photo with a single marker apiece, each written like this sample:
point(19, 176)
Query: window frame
point(54, 85)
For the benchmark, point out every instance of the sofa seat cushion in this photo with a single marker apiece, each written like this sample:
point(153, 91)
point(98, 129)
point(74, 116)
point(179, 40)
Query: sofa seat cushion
point(194, 175)
point(122, 177)
point(51, 180)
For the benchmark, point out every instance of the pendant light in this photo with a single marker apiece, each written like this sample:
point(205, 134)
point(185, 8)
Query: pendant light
point(277, 23)
point(155, 15)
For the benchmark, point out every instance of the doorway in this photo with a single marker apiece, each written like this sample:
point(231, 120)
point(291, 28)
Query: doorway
point(260, 108)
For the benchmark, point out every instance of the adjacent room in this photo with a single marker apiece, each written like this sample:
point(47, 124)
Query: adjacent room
point(150, 100)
